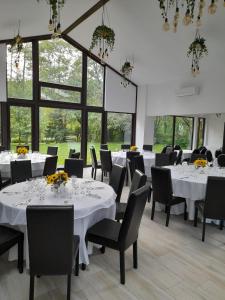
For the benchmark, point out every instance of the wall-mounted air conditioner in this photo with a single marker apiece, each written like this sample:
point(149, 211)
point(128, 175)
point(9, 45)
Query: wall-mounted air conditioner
point(188, 91)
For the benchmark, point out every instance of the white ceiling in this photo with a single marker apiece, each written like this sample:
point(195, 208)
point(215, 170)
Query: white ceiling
point(158, 56)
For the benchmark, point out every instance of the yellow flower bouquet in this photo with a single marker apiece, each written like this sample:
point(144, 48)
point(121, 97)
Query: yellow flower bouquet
point(57, 179)
point(200, 163)
point(133, 148)
point(22, 150)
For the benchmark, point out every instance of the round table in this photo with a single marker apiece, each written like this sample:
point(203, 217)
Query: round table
point(37, 163)
point(149, 159)
point(190, 183)
point(92, 200)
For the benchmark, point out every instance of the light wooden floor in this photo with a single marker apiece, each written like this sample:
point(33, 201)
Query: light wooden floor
point(173, 264)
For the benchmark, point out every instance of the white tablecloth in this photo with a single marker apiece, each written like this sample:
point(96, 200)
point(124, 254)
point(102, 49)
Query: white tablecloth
point(190, 183)
point(37, 163)
point(149, 159)
point(92, 200)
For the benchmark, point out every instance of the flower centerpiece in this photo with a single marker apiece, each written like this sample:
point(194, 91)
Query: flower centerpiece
point(57, 180)
point(200, 163)
point(133, 148)
point(21, 152)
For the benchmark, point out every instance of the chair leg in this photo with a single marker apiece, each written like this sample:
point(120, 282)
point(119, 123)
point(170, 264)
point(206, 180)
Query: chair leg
point(153, 210)
point(95, 174)
point(149, 195)
point(196, 217)
point(68, 286)
point(135, 255)
point(76, 273)
point(102, 177)
point(221, 224)
point(31, 297)
point(20, 255)
point(92, 172)
point(185, 211)
point(167, 216)
point(203, 230)
point(122, 267)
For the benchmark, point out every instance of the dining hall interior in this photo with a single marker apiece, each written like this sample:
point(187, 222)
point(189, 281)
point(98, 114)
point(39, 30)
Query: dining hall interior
point(112, 149)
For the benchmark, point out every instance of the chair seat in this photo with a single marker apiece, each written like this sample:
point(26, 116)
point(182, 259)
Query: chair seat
point(177, 200)
point(120, 210)
point(105, 232)
point(8, 237)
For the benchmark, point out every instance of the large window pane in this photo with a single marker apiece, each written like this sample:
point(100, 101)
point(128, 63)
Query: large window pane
point(95, 78)
point(60, 95)
point(201, 132)
point(19, 78)
point(163, 132)
point(119, 129)
point(184, 132)
point(60, 62)
point(20, 126)
point(94, 133)
point(62, 128)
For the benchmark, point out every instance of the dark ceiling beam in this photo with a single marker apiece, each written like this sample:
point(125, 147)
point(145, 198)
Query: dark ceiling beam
point(85, 16)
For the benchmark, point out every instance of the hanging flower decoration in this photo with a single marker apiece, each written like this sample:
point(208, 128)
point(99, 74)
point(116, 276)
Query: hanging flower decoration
point(190, 7)
point(197, 50)
point(16, 47)
point(54, 24)
point(126, 71)
point(103, 38)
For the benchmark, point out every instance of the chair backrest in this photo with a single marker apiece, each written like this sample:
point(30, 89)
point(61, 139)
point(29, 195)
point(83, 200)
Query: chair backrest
point(221, 160)
point(74, 167)
point(209, 156)
point(215, 198)
point(162, 159)
point(196, 151)
point(169, 149)
point(72, 151)
point(161, 185)
point(106, 160)
point(137, 163)
point(139, 180)
point(173, 157)
point(75, 155)
point(179, 157)
point(20, 170)
point(104, 147)
point(203, 150)
point(194, 157)
point(50, 165)
point(130, 154)
point(129, 165)
point(50, 239)
point(22, 146)
point(132, 218)
point(218, 152)
point(94, 161)
point(125, 147)
point(52, 150)
point(177, 147)
point(147, 147)
point(116, 180)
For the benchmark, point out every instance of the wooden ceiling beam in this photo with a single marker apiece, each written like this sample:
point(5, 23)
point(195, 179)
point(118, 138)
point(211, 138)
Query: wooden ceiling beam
point(85, 16)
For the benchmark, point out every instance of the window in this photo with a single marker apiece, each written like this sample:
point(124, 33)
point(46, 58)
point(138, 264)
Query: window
point(201, 132)
point(94, 133)
point(95, 78)
point(60, 63)
point(20, 126)
point(119, 129)
point(183, 132)
point(60, 95)
point(163, 132)
point(19, 78)
point(62, 128)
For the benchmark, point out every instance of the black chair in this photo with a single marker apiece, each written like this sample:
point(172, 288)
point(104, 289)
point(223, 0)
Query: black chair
point(104, 147)
point(173, 157)
point(4, 182)
point(167, 149)
point(138, 181)
point(196, 151)
point(218, 152)
point(74, 167)
point(179, 157)
point(52, 150)
point(130, 173)
point(177, 147)
point(75, 155)
point(9, 238)
point(202, 150)
point(120, 237)
point(106, 162)
point(52, 245)
point(2, 148)
point(221, 160)
point(147, 147)
point(162, 159)
point(20, 170)
point(50, 165)
point(72, 151)
point(125, 147)
point(163, 192)
point(209, 156)
point(194, 157)
point(22, 146)
point(95, 165)
point(214, 205)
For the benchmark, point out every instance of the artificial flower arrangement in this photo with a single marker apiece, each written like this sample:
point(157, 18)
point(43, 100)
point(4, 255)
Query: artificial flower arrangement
point(57, 179)
point(133, 148)
point(200, 163)
point(22, 150)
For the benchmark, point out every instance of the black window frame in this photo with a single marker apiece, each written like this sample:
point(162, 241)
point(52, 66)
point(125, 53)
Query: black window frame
point(203, 132)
